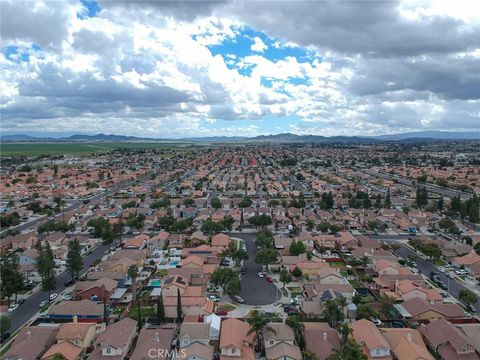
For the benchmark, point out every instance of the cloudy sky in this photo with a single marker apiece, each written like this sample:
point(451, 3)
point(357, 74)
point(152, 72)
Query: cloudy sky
point(174, 69)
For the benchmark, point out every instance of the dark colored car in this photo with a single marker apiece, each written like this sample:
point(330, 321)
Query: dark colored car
point(221, 312)
point(21, 301)
point(4, 337)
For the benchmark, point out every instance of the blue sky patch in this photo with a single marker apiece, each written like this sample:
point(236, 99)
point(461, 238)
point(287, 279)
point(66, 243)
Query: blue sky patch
point(92, 9)
point(20, 54)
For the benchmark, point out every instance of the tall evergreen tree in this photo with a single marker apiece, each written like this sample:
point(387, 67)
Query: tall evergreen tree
point(11, 278)
point(74, 258)
point(46, 268)
point(388, 200)
point(179, 306)
point(160, 310)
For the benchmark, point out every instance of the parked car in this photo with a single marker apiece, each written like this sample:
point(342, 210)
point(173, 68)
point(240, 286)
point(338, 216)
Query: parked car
point(53, 296)
point(238, 299)
point(451, 276)
point(4, 336)
point(244, 270)
point(21, 301)
point(291, 311)
point(43, 303)
point(214, 298)
point(269, 279)
point(221, 312)
point(13, 307)
point(69, 283)
point(260, 274)
point(377, 321)
point(442, 285)
point(67, 297)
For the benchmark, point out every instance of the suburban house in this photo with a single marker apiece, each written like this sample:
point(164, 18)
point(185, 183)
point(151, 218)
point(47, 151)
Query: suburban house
point(371, 341)
point(406, 344)
point(194, 340)
point(84, 311)
point(154, 343)
point(31, 342)
point(220, 241)
point(321, 339)
point(421, 310)
point(98, 290)
point(448, 341)
point(235, 342)
point(116, 341)
point(280, 342)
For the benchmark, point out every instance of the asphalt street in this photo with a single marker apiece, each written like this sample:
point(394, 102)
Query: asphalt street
point(31, 305)
point(430, 187)
point(427, 267)
point(255, 290)
point(74, 204)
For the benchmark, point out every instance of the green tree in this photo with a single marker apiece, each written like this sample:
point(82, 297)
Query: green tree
point(4, 324)
point(46, 268)
point(132, 274)
point(188, 202)
point(74, 258)
point(388, 200)
point(421, 197)
point(266, 256)
point(285, 277)
point(260, 220)
point(467, 296)
point(160, 310)
point(239, 255)
point(228, 222)
point(297, 248)
point(212, 227)
point(179, 307)
point(12, 279)
point(349, 350)
point(296, 272)
point(234, 286)
point(365, 311)
point(296, 325)
point(246, 202)
point(333, 312)
point(222, 276)
point(216, 203)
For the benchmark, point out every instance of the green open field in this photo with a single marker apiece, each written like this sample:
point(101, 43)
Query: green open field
point(60, 148)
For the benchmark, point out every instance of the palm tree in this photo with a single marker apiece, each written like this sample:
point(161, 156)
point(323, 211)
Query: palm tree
point(365, 260)
point(258, 324)
point(333, 313)
point(132, 274)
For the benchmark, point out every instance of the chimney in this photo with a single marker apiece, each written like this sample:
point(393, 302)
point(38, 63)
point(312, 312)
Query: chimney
point(324, 336)
point(409, 336)
point(28, 333)
point(75, 319)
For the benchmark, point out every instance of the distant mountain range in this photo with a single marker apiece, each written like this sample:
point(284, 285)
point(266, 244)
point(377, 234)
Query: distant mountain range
point(278, 138)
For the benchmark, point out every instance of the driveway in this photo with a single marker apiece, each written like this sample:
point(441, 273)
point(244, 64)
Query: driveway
point(255, 290)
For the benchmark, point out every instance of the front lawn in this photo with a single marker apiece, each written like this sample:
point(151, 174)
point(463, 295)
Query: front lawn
point(227, 307)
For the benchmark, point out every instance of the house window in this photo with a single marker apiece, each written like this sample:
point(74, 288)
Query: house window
point(109, 351)
point(234, 350)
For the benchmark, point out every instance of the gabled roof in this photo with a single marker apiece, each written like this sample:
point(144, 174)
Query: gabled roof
point(366, 333)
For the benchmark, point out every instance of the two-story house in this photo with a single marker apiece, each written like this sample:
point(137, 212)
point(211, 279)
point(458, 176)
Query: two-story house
point(279, 342)
point(371, 341)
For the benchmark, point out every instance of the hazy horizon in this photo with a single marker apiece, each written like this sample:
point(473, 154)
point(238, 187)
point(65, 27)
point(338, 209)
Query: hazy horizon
point(179, 69)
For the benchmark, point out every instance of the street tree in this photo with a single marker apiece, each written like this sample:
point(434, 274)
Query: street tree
point(468, 297)
point(74, 258)
point(285, 277)
point(266, 256)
